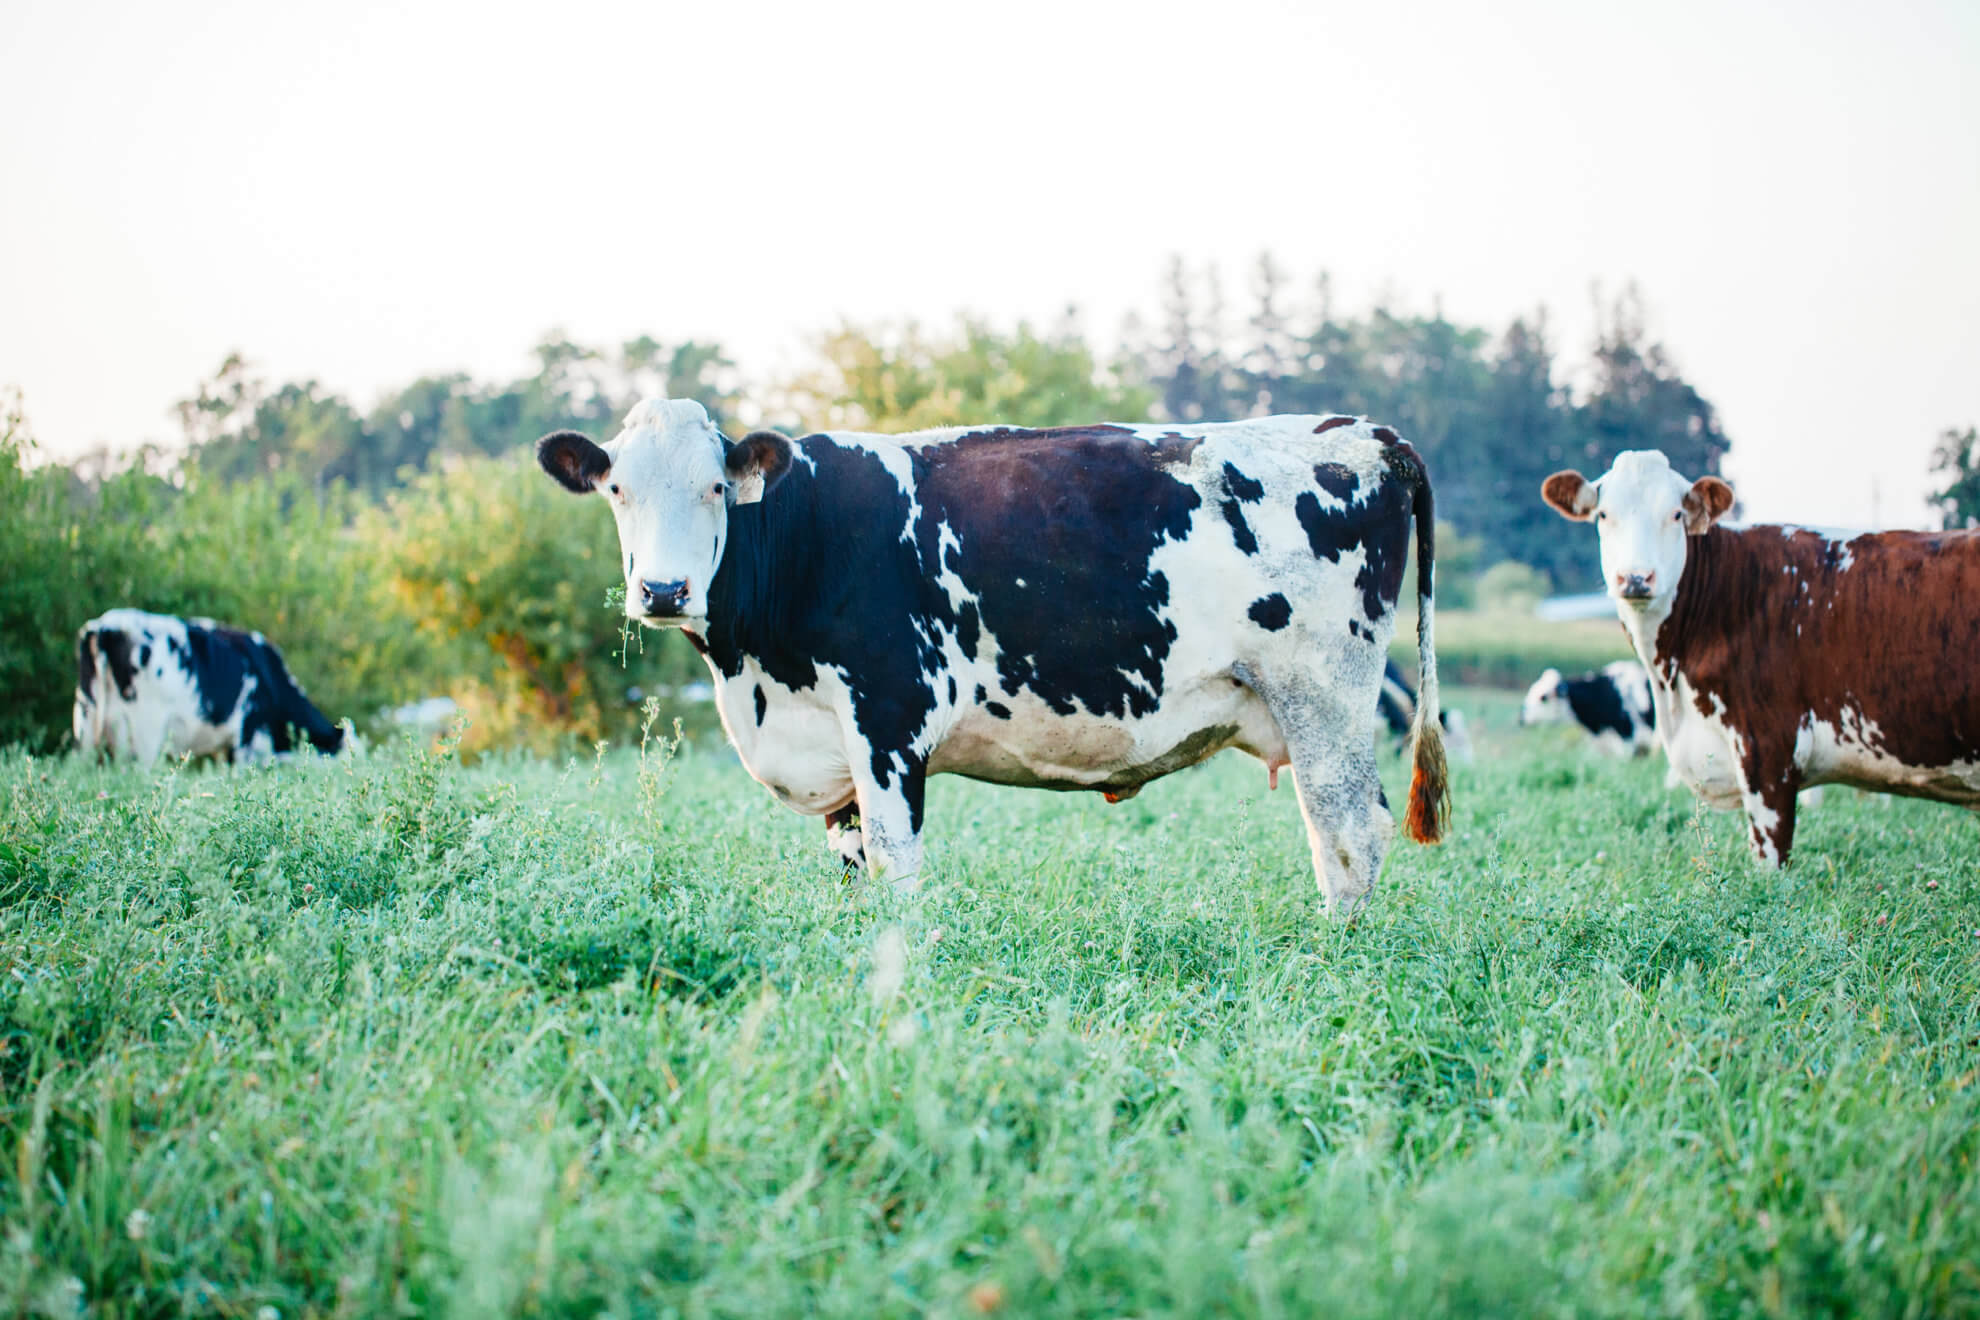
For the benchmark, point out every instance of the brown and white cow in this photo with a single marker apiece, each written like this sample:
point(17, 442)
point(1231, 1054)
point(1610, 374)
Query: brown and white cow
point(1782, 657)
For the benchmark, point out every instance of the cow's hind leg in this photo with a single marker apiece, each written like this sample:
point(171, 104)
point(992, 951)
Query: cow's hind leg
point(1330, 734)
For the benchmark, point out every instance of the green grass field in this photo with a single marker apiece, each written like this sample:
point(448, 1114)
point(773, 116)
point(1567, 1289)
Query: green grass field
point(387, 1036)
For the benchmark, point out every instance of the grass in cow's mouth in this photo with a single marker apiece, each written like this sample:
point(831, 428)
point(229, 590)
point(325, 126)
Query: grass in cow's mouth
point(346, 1037)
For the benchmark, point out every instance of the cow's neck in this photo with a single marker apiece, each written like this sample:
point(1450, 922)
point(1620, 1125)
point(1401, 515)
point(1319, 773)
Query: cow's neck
point(769, 563)
point(1696, 615)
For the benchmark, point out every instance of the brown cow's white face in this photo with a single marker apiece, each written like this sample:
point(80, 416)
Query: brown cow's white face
point(1642, 511)
point(670, 478)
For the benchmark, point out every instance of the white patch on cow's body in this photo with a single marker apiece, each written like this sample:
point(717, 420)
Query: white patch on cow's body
point(1839, 539)
point(1700, 746)
point(799, 749)
point(1852, 751)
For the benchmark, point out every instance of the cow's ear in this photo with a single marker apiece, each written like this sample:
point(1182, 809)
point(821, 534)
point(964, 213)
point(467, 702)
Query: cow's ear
point(1705, 503)
point(573, 460)
point(756, 463)
point(1571, 494)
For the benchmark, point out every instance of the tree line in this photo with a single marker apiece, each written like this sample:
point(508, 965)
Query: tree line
point(359, 537)
point(1493, 411)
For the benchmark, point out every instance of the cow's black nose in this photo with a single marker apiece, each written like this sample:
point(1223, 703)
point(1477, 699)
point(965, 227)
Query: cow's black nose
point(663, 600)
point(1635, 587)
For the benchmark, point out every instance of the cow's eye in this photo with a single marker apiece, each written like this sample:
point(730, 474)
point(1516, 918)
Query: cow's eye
point(718, 490)
point(1678, 516)
point(615, 488)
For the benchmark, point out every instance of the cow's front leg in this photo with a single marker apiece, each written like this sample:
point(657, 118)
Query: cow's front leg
point(889, 789)
point(1767, 789)
point(842, 836)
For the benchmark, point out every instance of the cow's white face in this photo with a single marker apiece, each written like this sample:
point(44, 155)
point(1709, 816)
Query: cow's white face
point(1642, 511)
point(1546, 701)
point(670, 478)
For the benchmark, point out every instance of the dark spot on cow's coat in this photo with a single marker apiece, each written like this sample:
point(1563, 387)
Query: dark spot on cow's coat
point(1379, 526)
point(1356, 628)
point(952, 689)
point(998, 709)
point(1271, 612)
point(1242, 487)
point(1597, 705)
point(1385, 435)
point(762, 705)
point(980, 694)
point(115, 648)
point(1088, 540)
point(1240, 529)
point(86, 668)
point(1333, 422)
point(1337, 479)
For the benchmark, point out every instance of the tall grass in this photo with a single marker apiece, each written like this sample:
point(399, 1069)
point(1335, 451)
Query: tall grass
point(394, 1035)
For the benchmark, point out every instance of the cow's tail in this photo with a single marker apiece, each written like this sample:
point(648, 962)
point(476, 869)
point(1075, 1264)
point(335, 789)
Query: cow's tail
point(1428, 816)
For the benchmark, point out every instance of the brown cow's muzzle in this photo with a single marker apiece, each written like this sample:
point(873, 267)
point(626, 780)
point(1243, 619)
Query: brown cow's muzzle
point(1635, 587)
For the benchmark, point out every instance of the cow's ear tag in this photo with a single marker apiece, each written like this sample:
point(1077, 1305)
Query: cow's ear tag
point(756, 463)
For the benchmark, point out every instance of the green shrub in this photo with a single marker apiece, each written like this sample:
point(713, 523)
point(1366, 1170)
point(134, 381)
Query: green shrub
point(481, 581)
point(1512, 587)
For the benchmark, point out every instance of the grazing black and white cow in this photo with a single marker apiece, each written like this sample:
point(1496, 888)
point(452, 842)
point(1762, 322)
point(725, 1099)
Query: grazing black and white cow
point(1079, 608)
point(1782, 657)
point(151, 685)
point(1613, 704)
point(1397, 707)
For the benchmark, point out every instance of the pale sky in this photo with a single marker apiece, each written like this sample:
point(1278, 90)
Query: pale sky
point(364, 193)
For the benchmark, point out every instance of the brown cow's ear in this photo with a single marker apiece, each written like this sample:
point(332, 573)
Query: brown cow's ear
point(573, 460)
point(756, 463)
point(1705, 503)
point(1571, 494)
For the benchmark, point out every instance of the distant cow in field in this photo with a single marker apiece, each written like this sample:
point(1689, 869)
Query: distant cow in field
point(1082, 608)
point(1612, 704)
point(1782, 657)
point(1397, 707)
point(151, 685)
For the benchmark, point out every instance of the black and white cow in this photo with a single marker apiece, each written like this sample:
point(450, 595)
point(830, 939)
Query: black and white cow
point(1612, 703)
point(151, 685)
point(1078, 608)
point(1397, 707)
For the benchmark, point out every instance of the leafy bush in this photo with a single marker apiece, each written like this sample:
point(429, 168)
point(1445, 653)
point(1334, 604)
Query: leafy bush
point(1511, 586)
point(480, 581)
